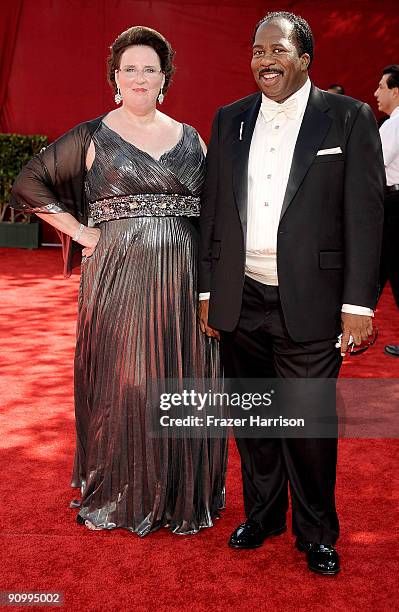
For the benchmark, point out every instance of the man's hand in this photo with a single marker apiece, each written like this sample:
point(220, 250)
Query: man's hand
point(203, 309)
point(360, 327)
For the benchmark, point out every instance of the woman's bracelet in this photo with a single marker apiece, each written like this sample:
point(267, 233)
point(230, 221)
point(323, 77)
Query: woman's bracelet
point(78, 232)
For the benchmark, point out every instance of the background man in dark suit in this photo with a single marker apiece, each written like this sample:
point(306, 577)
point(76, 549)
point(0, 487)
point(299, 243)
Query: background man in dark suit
point(289, 253)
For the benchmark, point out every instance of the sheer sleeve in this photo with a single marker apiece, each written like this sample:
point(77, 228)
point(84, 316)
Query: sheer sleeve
point(53, 182)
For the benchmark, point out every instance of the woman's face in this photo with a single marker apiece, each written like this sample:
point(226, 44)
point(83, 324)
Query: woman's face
point(139, 77)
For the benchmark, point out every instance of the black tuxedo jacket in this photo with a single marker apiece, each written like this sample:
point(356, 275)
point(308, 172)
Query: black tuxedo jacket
point(329, 235)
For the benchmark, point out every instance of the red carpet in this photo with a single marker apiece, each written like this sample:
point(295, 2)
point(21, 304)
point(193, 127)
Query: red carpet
point(45, 550)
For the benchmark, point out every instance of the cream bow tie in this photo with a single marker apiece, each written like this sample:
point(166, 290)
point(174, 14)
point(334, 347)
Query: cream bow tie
point(271, 109)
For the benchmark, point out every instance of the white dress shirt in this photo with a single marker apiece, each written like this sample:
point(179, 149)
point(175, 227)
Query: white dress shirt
point(269, 164)
point(270, 158)
point(389, 132)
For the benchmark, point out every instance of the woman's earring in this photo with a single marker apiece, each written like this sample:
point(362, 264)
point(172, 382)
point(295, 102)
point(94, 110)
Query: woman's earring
point(161, 97)
point(118, 98)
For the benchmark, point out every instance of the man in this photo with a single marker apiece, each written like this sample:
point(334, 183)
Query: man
point(387, 94)
point(336, 88)
point(290, 237)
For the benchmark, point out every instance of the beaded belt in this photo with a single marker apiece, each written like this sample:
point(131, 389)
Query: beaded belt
point(144, 205)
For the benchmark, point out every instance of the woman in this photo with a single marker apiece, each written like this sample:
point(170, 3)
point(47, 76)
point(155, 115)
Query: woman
point(138, 175)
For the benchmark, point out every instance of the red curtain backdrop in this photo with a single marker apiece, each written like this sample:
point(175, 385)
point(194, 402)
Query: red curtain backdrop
point(58, 75)
point(10, 13)
point(53, 55)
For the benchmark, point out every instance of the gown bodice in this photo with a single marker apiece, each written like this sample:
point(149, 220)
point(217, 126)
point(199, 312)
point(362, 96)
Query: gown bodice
point(125, 181)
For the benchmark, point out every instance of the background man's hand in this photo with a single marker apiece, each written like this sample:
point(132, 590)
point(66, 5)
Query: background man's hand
point(360, 327)
point(203, 310)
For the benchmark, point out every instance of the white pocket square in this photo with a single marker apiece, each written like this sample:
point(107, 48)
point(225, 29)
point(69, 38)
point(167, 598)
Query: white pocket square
point(329, 151)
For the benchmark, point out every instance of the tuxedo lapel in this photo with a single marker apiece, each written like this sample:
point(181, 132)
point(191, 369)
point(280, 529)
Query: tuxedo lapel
point(315, 125)
point(243, 126)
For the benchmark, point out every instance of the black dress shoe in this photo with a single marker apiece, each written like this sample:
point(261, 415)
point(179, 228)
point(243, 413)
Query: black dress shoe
point(322, 558)
point(392, 349)
point(252, 535)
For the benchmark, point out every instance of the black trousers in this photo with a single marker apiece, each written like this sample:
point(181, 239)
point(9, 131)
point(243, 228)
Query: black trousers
point(260, 347)
point(389, 267)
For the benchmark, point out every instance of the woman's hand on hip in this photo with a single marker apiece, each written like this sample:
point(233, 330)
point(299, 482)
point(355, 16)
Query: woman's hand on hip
point(89, 239)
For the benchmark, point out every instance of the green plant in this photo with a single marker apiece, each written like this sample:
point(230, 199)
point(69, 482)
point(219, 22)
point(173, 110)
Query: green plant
point(15, 151)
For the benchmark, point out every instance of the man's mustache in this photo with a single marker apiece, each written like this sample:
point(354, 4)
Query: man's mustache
point(270, 71)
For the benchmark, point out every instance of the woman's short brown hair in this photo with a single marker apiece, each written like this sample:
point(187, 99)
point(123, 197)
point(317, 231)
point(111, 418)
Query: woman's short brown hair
point(141, 35)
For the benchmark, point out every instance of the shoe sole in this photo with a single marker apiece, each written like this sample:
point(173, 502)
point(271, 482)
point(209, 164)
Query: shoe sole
point(302, 549)
point(276, 532)
point(317, 571)
point(390, 354)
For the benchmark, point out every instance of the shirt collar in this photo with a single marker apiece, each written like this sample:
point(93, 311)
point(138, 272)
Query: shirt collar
point(301, 96)
point(395, 111)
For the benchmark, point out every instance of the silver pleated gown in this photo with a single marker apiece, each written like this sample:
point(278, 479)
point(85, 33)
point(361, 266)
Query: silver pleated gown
point(137, 323)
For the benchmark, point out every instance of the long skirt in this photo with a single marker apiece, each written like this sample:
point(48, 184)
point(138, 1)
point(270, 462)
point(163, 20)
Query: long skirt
point(137, 324)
